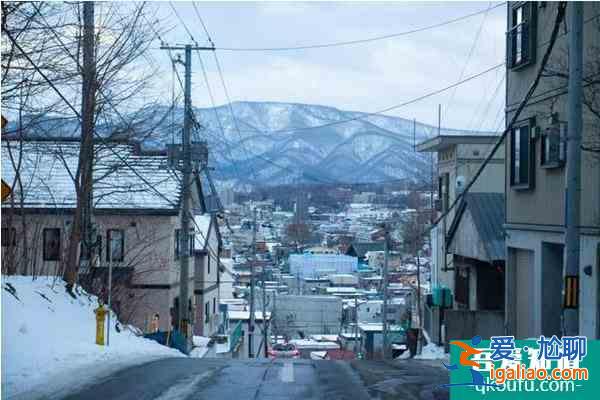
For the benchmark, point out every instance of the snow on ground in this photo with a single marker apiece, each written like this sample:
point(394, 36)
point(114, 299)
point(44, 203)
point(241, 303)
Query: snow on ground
point(200, 346)
point(431, 351)
point(48, 341)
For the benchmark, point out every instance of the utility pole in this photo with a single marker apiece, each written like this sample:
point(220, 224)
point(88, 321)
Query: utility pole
point(386, 250)
point(109, 248)
point(439, 119)
point(187, 182)
point(414, 134)
point(355, 324)
point(264, 319)
point(418, 299)
point(252, 283)
point(573, 178)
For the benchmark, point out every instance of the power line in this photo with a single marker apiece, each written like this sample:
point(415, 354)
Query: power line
point(464, 69)
point(559, 17)
point(366, 40)
point(364, 116)
point(393, 107)
point(202, 22)
point(236, 124)
point(217, 117)
point(102, 139)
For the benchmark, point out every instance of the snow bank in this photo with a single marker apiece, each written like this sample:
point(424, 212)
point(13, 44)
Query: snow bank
point(200, 346)
point(48, 341)
point(431, 351)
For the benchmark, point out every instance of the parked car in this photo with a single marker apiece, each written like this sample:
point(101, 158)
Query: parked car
point(284, 350)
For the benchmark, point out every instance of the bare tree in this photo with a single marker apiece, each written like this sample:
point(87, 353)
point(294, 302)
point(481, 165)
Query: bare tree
point(42, 51)
point(557, 74)
point(298, 233)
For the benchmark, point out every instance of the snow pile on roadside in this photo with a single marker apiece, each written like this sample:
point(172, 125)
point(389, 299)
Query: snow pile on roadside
point(48, 340)
point(431, 351)
point(200, 346)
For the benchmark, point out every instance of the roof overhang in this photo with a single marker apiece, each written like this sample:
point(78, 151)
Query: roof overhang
point(444, 141)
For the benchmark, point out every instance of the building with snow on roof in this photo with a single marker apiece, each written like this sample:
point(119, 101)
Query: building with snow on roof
point(136, 221)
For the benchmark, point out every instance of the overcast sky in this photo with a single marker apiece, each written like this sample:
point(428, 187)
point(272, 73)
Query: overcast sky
point(362, 77)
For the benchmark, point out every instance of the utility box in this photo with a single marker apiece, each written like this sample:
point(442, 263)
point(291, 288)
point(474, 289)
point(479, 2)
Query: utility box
point(442, 297)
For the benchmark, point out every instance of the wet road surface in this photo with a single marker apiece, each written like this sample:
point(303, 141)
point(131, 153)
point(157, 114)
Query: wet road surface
point(216, 379)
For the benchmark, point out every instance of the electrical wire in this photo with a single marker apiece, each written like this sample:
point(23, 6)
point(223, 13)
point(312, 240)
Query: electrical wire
point(366, 40)
point(464, 69)
point(364, 116)
point(559, 18)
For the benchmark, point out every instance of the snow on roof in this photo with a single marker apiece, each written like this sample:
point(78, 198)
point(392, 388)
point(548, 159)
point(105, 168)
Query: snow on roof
point(313, 344)
point(325, 338)
point(124, 179)
point(201, 229)
point(245, 315)
point(340, 290)
point(377, 327)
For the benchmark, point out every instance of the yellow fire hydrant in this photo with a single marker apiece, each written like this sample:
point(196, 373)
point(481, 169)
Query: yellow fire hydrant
point(100, 318)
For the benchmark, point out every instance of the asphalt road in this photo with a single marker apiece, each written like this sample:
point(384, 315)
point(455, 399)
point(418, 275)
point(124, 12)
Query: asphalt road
point(215, 379)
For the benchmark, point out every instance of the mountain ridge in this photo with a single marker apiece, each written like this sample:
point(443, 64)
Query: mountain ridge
point(269, 143)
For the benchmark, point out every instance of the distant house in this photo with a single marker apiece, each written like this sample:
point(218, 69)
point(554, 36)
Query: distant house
point(371, 334)
point(136, 200)
point(360, 250)
point(476, 239)
point(467, 244)
point(207, 276)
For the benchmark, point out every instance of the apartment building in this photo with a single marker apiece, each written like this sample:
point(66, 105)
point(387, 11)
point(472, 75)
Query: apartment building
point(535, 173)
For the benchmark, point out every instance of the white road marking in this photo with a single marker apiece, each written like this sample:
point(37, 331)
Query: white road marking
point(183, 388)
point(287, 372)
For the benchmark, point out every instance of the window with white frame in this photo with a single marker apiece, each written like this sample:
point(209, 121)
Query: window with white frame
point(521, 36)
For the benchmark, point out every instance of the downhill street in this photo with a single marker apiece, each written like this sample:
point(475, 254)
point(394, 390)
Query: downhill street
point(190, 379)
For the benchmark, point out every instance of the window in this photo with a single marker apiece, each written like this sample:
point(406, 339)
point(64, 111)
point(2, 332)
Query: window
point(521, 156)
point(115, 245)
point(179, 239)
point(521, 36)
point(208, 264)
point(51, 250)
point(443, 191)
point(9, 237)
point(206, 311)
point(553, 146)
point(214, 305)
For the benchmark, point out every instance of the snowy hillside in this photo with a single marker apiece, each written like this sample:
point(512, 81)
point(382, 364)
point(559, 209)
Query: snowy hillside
point(274, 143)
point(48, 341)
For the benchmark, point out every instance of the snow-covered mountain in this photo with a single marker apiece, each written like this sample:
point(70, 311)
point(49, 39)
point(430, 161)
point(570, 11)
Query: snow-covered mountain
point(275, 143)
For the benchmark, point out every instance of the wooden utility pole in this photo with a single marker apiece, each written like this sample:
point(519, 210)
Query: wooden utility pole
point(385, 291)
point(264, 317)
point(187, 182)
point(252, 283)
point(418, 300)
point(355, 338)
